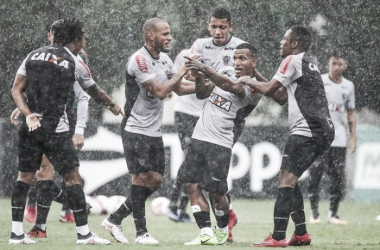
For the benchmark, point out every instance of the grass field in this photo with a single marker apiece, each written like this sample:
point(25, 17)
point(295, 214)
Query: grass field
point(255, 223)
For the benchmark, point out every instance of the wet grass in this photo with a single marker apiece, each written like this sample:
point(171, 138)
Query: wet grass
point(255, 223)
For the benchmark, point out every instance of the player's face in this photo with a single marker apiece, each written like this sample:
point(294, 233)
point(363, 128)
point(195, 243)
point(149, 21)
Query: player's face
point(162, 37)
point(220, 30)
point(286, 44)
point(244, 63)
point(337, 66)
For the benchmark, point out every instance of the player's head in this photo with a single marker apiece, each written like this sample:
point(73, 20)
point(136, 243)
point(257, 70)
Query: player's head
point(52, 30)
point(68, 31)
point(220, 26)
point(337, 63)
point(157, 34)
point(204, 33)
point(245, 59)
point(296, 39)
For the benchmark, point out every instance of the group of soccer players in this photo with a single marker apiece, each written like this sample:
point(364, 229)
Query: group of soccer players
point(221, 70)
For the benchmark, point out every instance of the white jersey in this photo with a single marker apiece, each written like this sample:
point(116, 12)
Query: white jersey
point(143, 111)
point(188, 104)
point(340, 97)
point(220, 112)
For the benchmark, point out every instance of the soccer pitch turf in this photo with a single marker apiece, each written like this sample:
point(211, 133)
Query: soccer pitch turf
point(254, 224)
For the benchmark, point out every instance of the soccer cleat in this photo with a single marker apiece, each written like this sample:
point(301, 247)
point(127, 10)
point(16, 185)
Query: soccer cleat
point(316, 220)
point(203, 239)
point(20, 240)
point(296, 240)
point(115, 230)
point(68, 218)
point(185, 218)
point(36, 232)
point(92, 239)
point(30, 214)
point(270, 242)
point(221, 236)
point(146, 239)
point(232, 222)
point(336, 221)
point(172, 214)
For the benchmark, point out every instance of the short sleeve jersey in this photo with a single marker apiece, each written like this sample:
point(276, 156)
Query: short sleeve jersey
point(340, 97)
point(143, 111)
point(51, 72)
point(307, 103)
point(220, 112)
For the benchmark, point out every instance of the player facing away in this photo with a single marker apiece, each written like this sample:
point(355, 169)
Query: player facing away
point(340, 93)
point(207, 162)
point(150, 78)
point(42, 90)
point(312, 131)
point(217, 52)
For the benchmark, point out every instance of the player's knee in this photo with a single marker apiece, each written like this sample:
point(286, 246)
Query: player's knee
point(26, 177)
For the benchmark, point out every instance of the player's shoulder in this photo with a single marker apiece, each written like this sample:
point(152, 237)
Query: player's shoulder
point(203, 41)
point(347, 82)
point(236, 40)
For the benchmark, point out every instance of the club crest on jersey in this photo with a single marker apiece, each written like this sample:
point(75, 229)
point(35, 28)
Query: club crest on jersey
point(313, 67)
point(149, 94)
point(284, 65)
point(220, 101)
point(141, 63)
point(226, 60)
point(49, 57)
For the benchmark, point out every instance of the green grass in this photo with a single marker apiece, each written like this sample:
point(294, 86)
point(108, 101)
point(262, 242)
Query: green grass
point(255, 223)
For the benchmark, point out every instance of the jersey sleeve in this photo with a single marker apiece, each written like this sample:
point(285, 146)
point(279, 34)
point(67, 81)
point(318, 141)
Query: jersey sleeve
point(196, 49)
point(22, 69)
point(140, 68)
point(83, 74)
point(350, 104)
point(286, 73)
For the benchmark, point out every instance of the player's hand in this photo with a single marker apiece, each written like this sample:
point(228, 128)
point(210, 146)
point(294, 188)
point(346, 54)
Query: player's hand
point(33, 121)
point(78, 141)
point(193, 64)
point(14, 116)
point(116, 110)
point(244, 79)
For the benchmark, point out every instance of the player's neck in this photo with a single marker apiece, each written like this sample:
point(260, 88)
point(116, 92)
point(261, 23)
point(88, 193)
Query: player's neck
point(155, 53)
point(73, 48)
point(335, 78)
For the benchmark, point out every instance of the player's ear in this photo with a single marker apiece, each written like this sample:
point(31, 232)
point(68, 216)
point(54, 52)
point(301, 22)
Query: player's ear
point(150, 35)
point(253, 62)
point(231, 26)
point(294, 44)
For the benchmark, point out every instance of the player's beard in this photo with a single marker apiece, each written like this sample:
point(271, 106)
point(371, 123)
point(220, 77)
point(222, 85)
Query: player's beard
point(161, 47)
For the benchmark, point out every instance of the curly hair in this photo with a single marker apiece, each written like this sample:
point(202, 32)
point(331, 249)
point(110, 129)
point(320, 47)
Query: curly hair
point(68, 30)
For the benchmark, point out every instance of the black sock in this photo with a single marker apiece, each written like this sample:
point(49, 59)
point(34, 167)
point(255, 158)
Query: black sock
point(203, 219)
point(46, 192)
point(222, 221)
point(18, 200)
point(61, 197)
point(122, 212)
point(334, 205)
point(77, 203)
point(32, 197)
point(138, 197)
point(298, 214)
point(314, 200)
point(183, 203)
point(282, 210)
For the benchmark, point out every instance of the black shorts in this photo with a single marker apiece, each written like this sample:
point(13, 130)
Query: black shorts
point(206, 164)
point(143, 153)
point(58, 148)
point(301, 151)
point(185, 125)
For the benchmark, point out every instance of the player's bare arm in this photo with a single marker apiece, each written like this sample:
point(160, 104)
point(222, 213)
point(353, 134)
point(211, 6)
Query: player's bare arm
point(184, 88)
point(101, 97)
point(265, 88)
point(351, 117)
point(160, 91)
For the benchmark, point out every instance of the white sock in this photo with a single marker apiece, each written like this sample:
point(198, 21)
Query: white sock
point(224, 229)
point(230, 206)
point(208, 231)
point(17, 228)
point(41, 226)
point(83, 230)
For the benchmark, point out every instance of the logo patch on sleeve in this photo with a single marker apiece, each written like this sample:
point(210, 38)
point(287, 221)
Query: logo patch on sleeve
point(141, 62)
point(284, 65)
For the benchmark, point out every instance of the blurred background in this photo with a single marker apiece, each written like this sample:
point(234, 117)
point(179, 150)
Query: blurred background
point(114, 28)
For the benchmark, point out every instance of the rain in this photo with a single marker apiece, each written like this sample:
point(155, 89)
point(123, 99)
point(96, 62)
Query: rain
point(113, 31)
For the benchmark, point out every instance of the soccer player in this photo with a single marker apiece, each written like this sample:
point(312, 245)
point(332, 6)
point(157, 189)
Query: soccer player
point(46, 173)
point(208, 159)
point(187, 111)
point(217, 52)
point(150, 78)
point(42, 90)
point(312, 131)
point(340, 95)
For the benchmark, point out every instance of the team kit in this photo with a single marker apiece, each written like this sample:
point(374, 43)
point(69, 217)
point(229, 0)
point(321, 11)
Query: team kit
point(218, 87)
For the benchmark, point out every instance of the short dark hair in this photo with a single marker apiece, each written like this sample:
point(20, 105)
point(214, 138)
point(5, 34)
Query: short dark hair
point(70, 30)
point(221, 13)
point(204, 33)
point(337, 53)
point(302, 35)
point(56, 25)
point(151, 24)
point(252, 49)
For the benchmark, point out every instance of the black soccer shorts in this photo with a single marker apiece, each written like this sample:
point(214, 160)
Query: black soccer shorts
point(185, 125)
